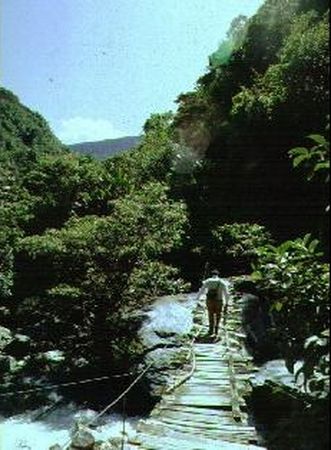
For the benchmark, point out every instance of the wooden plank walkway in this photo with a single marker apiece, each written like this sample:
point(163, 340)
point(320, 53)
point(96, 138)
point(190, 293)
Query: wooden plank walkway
point(207, 411)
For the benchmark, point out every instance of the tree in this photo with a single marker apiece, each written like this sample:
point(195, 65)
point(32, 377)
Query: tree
point(92, 269)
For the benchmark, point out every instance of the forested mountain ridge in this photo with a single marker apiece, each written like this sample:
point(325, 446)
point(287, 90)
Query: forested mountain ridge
point(106, 148)
point(84, 243)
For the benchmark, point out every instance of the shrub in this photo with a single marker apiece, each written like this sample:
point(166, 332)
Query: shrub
point(234, 246)
point(154, 278)
point(295, 284)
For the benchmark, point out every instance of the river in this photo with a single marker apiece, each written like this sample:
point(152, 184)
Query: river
point(22, 432)
point(167, 317)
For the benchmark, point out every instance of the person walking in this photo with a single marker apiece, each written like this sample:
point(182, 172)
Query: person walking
point(216, 297)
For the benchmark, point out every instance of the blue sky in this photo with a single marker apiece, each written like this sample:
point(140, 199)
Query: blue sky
point(97, 69)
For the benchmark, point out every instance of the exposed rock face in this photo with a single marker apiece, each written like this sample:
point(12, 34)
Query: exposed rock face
point(53, 356)
point(285, 421)
point(6, 337)
point(277, 402)
point(276, 372)
point(258, 326)
point(164, 334)
point(10, 365)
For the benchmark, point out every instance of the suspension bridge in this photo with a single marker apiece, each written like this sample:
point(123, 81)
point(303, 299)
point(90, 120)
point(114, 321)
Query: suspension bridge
point(205, 409)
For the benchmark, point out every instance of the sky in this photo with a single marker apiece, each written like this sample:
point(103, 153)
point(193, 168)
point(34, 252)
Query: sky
point(97, 69)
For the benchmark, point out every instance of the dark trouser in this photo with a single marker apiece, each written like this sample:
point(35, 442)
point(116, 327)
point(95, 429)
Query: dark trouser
point(214, 307)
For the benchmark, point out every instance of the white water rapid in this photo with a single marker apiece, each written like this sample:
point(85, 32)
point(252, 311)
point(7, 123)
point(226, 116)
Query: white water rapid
point(22, 432)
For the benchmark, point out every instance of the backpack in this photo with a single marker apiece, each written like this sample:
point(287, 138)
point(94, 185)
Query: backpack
point(212, 294)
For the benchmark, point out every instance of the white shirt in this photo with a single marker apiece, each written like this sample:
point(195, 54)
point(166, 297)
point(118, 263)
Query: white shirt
point(215, 282)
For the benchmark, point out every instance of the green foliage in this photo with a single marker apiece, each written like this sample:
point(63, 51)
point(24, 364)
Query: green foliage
point(305, 57)
point(24, 138)
point(316, 364)
point(147, 223)
point(142, 225)
point(267, 31)
point(192, 106)
point(252, 46)
point(236, 245)
point(296, 286)
point(315, 160)
point(151, 161)
point(235, 38)
point(158, 123)
point(42, 185)
point(94, 267)
point(256, 104)
point(298, 78)
point(222, 54)
point(153, 278)
point(83, 241)
point(6, 266)
point(23, 134)
point(16, 203)
point(66, 185)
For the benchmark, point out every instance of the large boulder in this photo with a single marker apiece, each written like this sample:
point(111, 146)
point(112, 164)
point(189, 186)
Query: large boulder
point(107, 445)
point(82, 439)
point(53, 356)
point(260, 335)
point(9, 365)
point(165, 336)
point(52, 359)
point(6, 337)
point(292, 420)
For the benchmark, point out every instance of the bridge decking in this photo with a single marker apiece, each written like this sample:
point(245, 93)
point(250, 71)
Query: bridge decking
point(208, 411)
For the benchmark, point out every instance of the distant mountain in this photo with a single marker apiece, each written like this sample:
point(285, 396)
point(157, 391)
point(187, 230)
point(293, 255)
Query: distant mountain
point(106, 148)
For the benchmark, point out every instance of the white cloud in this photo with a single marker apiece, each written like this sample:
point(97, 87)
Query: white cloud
point(82, 129)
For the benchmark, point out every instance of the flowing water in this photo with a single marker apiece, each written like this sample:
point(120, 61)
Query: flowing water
point(171, 315)
point(23, 432)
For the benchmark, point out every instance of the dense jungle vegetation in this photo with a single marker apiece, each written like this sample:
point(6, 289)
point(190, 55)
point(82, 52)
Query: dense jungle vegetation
point(240, 168)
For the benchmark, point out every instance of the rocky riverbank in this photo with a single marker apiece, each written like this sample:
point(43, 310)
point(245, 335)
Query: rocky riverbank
point(164, 335)
point(285, 415)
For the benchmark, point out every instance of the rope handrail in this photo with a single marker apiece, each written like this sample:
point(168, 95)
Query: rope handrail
point(124, 393)
point(68, 383)
point(119, 398)
point(187, 376)
point(113, 402)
